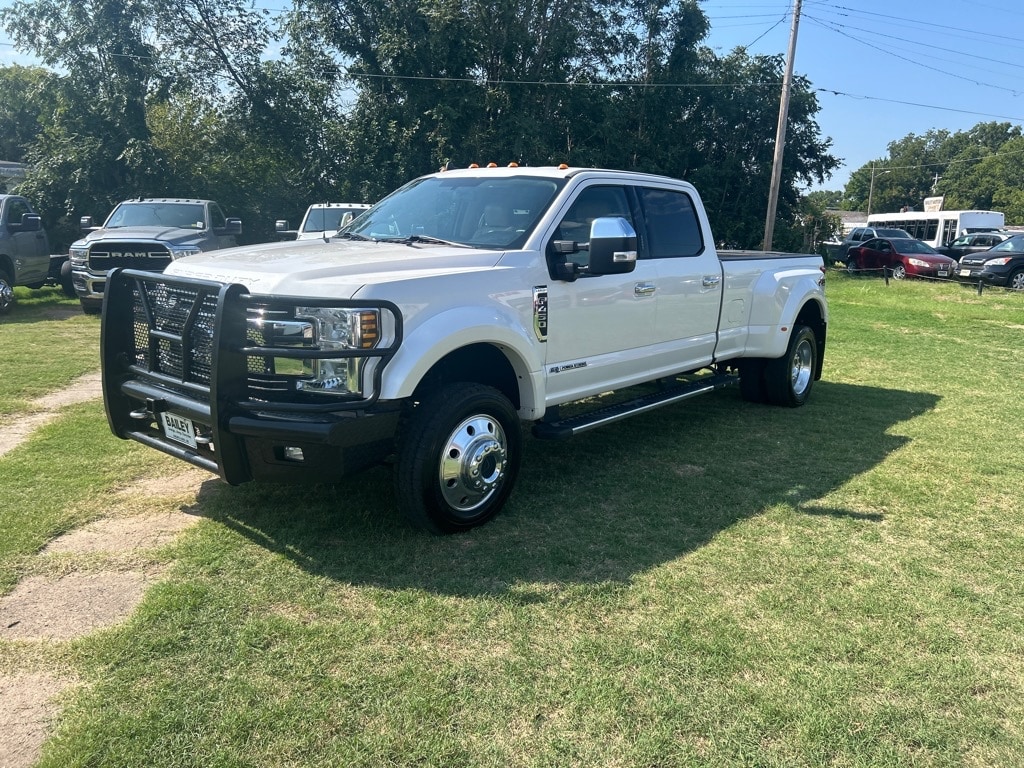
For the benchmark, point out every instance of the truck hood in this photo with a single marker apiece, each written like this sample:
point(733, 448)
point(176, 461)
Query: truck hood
point(333, 269)
point(164, 234)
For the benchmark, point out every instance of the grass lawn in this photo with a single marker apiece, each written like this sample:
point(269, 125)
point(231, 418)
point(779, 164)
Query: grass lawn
point(713, 584)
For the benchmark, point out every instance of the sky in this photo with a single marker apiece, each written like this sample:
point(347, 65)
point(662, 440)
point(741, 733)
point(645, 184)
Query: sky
point(882, 69)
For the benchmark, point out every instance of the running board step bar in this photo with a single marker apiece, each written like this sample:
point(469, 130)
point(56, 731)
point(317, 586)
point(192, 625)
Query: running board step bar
point(563, 429)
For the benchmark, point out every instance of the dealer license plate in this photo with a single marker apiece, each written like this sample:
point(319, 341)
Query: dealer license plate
point(943, 272)
point(178, 428)
point(965, 273)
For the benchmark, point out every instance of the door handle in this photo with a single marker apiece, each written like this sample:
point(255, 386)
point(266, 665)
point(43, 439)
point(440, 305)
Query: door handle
point(643, 289)
point(710, 281)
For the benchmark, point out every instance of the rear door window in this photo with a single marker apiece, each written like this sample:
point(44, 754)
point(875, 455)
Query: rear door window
point(673, 228)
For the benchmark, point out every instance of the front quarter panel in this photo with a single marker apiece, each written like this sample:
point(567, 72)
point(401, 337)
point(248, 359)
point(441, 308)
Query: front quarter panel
point(430, 339)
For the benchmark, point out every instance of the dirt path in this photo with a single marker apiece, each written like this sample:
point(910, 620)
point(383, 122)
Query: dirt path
point(47, 408)
point(54, 609)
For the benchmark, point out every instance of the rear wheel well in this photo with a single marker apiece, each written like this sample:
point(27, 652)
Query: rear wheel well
point(478, 363)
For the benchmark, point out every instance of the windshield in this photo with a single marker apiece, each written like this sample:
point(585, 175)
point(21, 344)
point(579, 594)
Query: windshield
point(176, 215)
point(476, 211)
point(1013, 245)
point(891, 233)
point(906, 245)
point(327, 219)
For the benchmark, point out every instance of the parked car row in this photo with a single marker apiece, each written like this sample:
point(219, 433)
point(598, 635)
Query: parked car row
point(999, 265)
point(860, 235)
point(145, 233)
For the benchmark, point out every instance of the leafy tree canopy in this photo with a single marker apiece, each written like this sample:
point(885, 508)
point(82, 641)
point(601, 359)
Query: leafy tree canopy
point(979, 168)
point(359, 96)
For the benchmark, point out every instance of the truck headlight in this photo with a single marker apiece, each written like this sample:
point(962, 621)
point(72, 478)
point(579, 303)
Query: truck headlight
point(78, 256)
point(178, 251)
point(341, 330)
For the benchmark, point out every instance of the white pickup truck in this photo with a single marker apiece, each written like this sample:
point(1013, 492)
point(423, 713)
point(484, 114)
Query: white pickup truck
point(435, 325)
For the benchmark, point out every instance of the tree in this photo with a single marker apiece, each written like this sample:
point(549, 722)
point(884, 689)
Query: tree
point(610, 83)
point(975, 169)
point(27, 102)
point(365, 94)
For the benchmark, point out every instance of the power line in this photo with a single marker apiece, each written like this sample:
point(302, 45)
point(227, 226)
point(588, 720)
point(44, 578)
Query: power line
point(913, 61)
point(917, 104)
point(960, 30)
point(903, 40)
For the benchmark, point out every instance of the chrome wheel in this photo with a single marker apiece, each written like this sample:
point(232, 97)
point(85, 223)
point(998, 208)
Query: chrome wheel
point(473, 462)
point(801, 370)
point(1016, 281)
point(6, 294)
point(457, 458)
point(788, 379)
point(899, 272)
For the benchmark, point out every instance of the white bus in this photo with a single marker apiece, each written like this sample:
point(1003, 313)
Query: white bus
point(939, 227)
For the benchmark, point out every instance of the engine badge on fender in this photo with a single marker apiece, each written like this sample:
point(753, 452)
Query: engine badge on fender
point(540, 312)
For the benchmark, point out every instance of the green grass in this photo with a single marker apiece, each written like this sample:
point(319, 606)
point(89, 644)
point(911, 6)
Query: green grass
point(713, 584)
point(45, 343)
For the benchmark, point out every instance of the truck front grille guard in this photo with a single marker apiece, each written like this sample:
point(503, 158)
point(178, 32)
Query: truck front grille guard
point(186, 344)
point(182, 329)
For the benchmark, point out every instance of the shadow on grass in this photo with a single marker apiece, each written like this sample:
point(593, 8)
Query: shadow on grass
point(599, 508)
point(47, 303)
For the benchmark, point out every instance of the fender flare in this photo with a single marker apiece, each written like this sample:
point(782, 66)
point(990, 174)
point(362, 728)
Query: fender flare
point(778, 303)
point(451, 330)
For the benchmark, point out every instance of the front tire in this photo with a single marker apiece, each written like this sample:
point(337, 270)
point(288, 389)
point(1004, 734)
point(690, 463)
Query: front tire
point(66, 283)
point(1016, 281)
point(788, 379)
point(6, 293)
point(458, 458)
point(899, 272)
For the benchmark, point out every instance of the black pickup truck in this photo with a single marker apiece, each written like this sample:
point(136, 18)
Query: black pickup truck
point(25, 257)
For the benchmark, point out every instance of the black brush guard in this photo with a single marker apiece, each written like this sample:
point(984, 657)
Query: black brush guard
point(182, 345)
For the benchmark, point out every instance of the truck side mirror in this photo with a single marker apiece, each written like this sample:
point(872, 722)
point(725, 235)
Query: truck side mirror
point(232, 226)
point(281, 225)
point(613, 245)
point(85, 224)
point(30, 222)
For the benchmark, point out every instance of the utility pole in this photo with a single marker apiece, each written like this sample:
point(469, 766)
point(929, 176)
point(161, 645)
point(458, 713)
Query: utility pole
point(780, 133)
point(871, 187)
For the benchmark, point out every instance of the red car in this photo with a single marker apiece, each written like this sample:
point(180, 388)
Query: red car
point(902, 256)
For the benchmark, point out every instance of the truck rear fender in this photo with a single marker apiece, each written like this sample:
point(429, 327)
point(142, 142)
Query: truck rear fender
point(469, 344)
point(782, 299)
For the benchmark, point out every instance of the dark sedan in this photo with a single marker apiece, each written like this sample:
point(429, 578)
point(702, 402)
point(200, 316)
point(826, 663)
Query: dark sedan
point(902, 256)
point(1002, 264)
